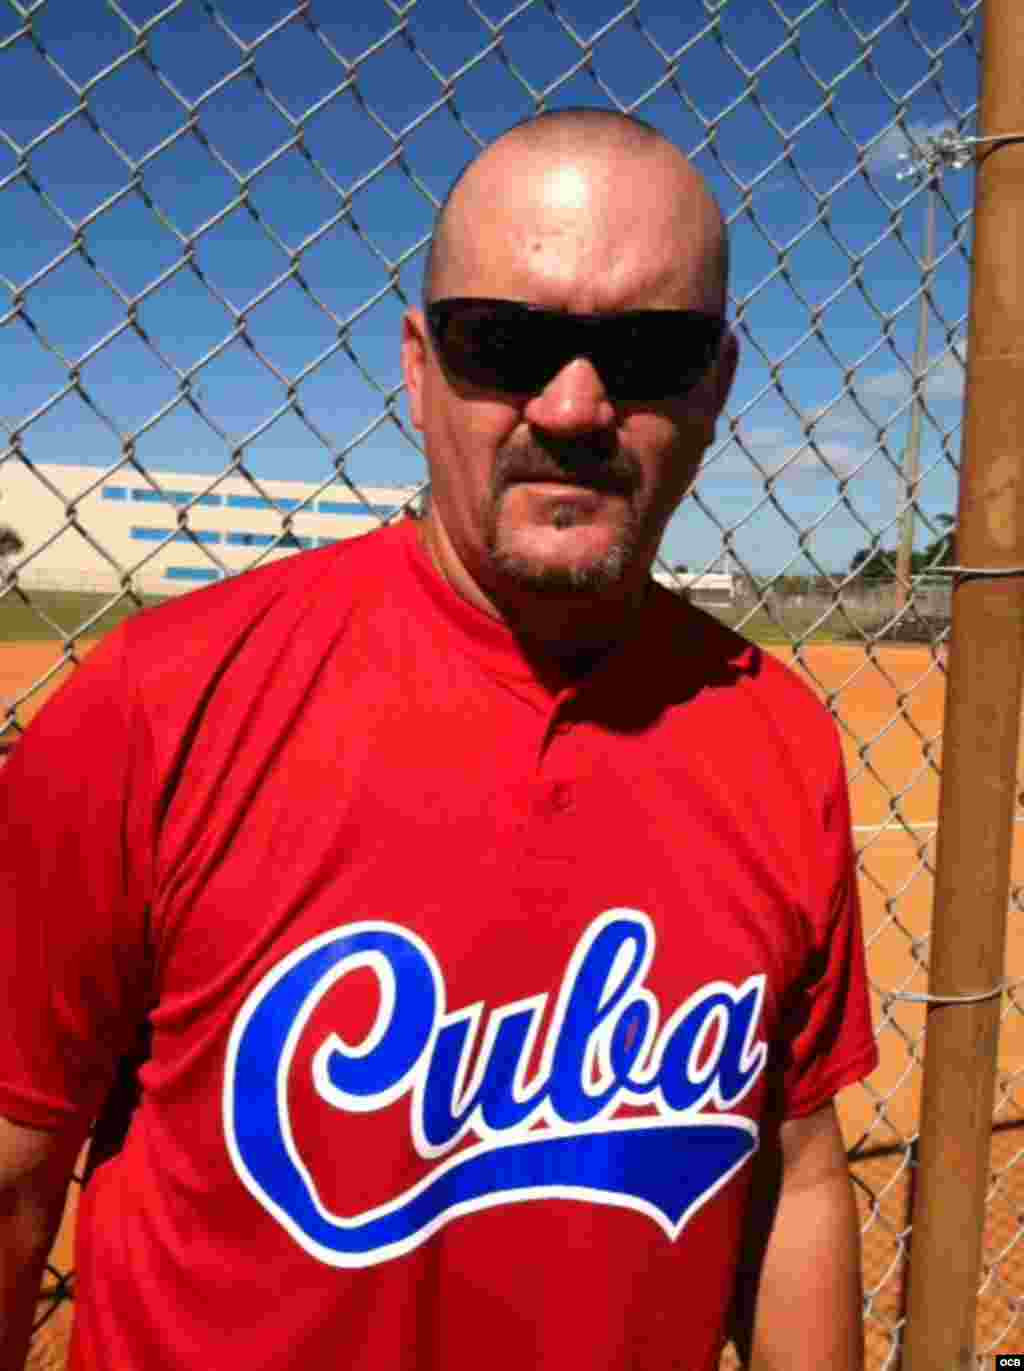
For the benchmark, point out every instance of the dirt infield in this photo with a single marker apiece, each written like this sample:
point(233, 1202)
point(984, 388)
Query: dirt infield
point(23, 664)
point(891, 711)
point(887, 753)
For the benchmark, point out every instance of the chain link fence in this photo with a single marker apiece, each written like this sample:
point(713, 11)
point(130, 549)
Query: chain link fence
point(214, 216)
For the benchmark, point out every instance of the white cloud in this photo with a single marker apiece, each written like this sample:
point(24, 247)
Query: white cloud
point(944, 378)
point(892, 388)
point(780, 452)
point(948, 376)
point(885, 396)
point(842, 457)
point(844, 435)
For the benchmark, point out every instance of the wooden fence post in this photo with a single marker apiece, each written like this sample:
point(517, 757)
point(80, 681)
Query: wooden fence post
point(979, 763)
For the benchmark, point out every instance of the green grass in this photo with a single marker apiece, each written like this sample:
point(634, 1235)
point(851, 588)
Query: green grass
point(761, 628)
point(68, 610)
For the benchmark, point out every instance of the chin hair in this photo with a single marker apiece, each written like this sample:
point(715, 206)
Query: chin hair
point(594, 578)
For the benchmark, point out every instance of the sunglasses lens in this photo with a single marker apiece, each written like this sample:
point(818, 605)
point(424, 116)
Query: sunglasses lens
point(657, 356)
point(491, 346)
point(517, 349)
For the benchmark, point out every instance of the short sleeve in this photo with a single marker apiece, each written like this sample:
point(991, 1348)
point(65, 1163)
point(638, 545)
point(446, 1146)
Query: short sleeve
point(829, 1041)
point(75, 857)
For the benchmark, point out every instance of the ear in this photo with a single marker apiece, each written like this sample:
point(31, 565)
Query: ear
point(414, 362)
point(725, 368)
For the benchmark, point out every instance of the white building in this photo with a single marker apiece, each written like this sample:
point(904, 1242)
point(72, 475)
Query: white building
point(704, 588)
point(84, 529)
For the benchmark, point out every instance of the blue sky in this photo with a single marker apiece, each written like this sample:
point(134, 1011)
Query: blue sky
point(808, 230)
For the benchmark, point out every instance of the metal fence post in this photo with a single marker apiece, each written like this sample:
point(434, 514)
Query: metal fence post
point(981, 740)
point(912, 452)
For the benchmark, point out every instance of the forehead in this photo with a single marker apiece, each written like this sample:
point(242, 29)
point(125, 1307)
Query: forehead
point(586, 233)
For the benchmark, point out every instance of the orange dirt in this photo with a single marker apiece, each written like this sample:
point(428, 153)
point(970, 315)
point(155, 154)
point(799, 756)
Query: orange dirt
point(888, 753)
point(22, 665)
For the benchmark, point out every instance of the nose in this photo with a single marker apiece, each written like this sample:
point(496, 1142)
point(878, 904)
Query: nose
point(575, 401)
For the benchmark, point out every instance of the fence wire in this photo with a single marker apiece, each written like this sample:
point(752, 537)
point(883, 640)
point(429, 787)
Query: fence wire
point(215, 215)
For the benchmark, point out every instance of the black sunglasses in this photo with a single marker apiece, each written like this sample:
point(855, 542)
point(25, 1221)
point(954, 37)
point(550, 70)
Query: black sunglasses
point(640, 355)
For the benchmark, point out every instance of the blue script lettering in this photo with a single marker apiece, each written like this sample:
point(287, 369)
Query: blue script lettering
point(603, 1049)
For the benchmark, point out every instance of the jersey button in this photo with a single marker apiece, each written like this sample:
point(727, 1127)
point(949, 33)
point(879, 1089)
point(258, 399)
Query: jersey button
point(561, 796)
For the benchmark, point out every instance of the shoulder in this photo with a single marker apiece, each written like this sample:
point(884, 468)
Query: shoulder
point(164, 664)
point(286, 589)
point(259, 625)
point(746, 692)
point(697, 637)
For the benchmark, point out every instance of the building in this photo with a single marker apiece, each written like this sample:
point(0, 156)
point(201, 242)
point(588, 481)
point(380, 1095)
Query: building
point(704, 588)
point(85, 529)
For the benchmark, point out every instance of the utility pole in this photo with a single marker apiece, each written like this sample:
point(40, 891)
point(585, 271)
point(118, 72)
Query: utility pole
point(929, 158)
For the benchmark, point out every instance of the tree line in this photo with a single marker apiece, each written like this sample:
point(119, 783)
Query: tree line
point(876, 563)
point(871, 565)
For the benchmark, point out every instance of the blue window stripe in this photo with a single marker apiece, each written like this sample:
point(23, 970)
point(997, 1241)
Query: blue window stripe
point(250, 539)
point(192, 573)
point(186, 497)
point(115, 493)
point(163, 497)
point(157, 535)
point(258, 502)
point(351, 507)
point(265, 540)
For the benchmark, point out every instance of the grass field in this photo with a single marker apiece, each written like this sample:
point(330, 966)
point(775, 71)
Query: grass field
point(48, 615)
point(761, 627)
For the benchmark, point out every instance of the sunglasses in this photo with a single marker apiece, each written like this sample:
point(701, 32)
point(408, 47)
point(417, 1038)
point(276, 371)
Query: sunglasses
point(640, 355)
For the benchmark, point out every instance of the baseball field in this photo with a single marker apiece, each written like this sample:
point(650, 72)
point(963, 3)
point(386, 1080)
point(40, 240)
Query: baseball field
point(891, 710)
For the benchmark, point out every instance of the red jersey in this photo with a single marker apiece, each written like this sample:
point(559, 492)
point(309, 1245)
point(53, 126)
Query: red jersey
point(469, 991)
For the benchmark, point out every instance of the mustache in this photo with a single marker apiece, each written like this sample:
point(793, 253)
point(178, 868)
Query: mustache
point(598, 466)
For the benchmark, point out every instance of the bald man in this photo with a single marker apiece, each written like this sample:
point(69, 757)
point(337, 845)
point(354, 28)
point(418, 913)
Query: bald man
point(490, 910)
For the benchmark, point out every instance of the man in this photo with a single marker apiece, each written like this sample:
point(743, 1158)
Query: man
point(489, 907)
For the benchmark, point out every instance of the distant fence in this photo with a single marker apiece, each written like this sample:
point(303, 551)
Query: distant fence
point(861, 610)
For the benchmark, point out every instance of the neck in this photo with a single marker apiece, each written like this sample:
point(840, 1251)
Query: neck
point(570, 633)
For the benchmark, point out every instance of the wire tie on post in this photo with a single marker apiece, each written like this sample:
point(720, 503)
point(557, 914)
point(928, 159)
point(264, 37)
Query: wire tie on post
point(993, 138)
point(977, 573)
point(977, 998)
